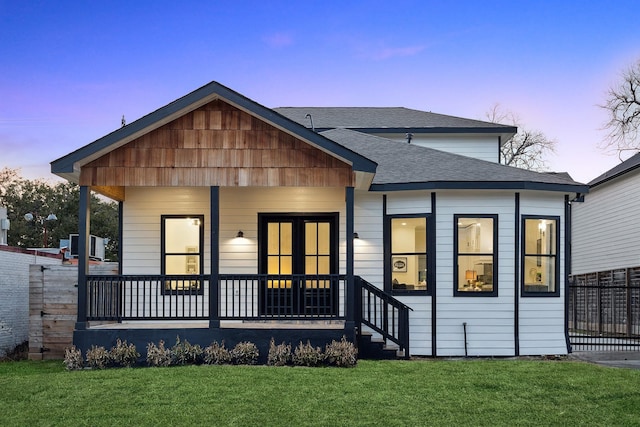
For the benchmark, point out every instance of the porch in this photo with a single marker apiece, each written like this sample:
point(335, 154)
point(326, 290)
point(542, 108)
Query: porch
point(290, 308)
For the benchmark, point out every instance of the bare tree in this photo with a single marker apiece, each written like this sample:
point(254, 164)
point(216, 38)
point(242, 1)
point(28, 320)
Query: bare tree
point(528, 148)
point(623, 108)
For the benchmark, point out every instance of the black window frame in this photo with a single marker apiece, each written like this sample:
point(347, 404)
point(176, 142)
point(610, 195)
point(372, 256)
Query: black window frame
point(457, 254)
point(523, 255)
point(163, 254)
point(430, 249)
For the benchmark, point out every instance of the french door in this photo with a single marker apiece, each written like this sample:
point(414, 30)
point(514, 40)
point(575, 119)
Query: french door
point(298, 252)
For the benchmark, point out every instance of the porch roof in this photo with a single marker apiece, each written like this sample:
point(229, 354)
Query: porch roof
point(69, 166)
point(403, 166)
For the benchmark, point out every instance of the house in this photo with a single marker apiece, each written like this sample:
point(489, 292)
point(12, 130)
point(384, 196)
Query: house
point(605, 262)
point(244, 222)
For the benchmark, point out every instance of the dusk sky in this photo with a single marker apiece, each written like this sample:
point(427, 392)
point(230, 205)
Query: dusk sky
point(70, 70)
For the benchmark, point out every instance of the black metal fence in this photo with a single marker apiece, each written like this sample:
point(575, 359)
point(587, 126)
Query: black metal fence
point(240, 297)
point(604, 310)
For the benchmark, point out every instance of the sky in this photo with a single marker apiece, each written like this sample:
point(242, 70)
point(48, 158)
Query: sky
point(69, 70)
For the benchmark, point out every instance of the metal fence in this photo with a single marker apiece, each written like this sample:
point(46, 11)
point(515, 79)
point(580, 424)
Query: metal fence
point(604, 310)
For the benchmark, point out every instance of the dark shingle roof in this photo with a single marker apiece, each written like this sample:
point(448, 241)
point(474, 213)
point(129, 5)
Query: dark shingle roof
point(628, 165)
point(402, 165)
point(387, 119)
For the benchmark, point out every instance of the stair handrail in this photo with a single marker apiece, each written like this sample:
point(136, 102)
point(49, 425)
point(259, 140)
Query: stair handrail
point(394, 328)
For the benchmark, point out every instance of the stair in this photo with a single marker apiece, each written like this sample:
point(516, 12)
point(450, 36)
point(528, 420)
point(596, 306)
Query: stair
point(370, 347)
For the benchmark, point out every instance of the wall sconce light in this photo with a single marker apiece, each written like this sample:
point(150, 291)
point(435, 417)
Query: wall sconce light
point(240, 234)
point(355, 236)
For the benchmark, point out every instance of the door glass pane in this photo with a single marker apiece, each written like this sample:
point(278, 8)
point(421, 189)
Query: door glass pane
point(273, 239)
point(286, 238)
point(311, 265)
point(310, 237)
point(324, 238)
point(324, 265)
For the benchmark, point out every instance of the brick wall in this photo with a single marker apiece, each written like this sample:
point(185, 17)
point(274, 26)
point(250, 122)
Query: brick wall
point(14, 294)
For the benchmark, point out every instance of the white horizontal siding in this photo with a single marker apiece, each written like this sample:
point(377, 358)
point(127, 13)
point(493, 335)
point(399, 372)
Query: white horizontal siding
point(239, 209)
point(605, 229)
point(489, 320)
point(542, 325)
point(141, 224)
point(483, 147)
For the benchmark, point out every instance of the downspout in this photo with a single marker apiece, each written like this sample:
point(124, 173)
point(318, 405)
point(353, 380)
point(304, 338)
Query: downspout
point(567, 267)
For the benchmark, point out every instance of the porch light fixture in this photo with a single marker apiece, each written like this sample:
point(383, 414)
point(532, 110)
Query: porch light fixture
point(240, 234)
point(355, 236)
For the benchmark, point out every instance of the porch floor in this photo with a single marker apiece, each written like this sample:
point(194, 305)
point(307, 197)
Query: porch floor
point(226, 324)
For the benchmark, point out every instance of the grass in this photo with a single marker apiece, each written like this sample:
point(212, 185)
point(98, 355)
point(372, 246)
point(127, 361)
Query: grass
point(385, 393)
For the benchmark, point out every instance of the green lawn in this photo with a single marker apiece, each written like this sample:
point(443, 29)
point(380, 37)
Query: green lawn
point(386, 393)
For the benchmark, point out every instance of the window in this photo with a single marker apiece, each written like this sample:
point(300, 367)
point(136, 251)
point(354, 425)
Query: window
point(182, 242)
point(406, 262)
point(475, 243)
point(540, 263)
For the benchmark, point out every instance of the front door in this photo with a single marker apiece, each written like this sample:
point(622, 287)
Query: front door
point(298, 252)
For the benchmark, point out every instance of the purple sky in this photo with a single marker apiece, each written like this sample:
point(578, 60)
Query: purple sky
point(70, 70)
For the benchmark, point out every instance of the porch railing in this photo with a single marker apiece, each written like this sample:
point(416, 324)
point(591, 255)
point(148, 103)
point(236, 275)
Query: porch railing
point(383, 313)
point(241, 297)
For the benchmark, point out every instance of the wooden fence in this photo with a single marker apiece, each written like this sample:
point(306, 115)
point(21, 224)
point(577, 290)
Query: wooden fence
point(53, 296)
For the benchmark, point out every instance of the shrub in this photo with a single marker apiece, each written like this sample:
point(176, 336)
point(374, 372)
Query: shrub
point(341, 353)
point(98, 357)
point(158, 355)
point(183, 353)
point(307, 355)
point(279, 355)
point(245, 353)
point(73, 360)
point(217, 354)
point(123, 354)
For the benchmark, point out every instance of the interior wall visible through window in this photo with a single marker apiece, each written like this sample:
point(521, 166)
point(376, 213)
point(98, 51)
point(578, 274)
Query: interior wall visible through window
point(182, 241)
point(408, 260)
point(540, 256)
point(475, 239)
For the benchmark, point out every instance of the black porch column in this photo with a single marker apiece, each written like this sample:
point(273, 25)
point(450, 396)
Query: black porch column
point(84, 214)
point(350, 291)
point(214, 282)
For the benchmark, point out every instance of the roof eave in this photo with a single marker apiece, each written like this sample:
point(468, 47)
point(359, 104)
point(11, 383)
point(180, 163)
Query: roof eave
point(481, 185)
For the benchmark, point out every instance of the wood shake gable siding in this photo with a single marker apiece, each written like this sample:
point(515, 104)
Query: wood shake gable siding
point(217, 145)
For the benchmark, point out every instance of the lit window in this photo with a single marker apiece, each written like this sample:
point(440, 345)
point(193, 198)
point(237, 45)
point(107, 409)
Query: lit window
point(407, 263)
point(476, 241)
point(182, 241)
point(540, 256)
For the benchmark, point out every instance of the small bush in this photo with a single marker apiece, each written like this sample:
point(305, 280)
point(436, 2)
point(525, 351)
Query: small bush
point(341, 353)
point(307, 355)
point(73, 360)
point(244, 353)
point(123, 354)
point(158, 355)
point(279, 355)
point(183, 353)
point(98, 357)
point(217, 354)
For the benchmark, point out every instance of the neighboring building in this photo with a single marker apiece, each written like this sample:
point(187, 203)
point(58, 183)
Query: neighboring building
point(244, 222)
point(604, 229)
point(604, 303)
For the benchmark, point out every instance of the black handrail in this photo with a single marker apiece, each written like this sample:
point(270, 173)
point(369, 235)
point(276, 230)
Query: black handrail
point(383, 313)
